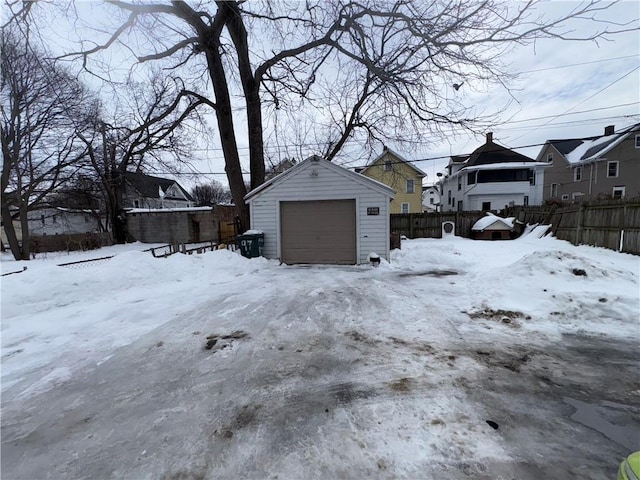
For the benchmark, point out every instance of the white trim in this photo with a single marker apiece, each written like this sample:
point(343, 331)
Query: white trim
point(356, 199)
point(617, 168)
point(620, 188)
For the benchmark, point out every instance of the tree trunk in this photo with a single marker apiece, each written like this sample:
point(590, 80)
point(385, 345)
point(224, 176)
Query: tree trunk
point(24, 225)
point(10, 231)
point(224, 116)
point(251, 88)
point(116, 213)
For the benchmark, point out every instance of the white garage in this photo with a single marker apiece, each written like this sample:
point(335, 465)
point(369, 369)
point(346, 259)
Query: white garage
point(320, 213)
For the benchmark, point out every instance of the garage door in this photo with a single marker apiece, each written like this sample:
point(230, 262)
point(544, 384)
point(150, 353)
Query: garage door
point(318, 232)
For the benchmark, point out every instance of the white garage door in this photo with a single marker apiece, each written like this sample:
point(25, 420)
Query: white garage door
point(318, 232)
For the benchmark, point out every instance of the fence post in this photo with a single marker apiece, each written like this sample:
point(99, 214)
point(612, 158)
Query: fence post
point(411, 225)
point(579, 224)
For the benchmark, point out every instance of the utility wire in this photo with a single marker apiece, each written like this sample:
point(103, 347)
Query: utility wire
point(578, 64)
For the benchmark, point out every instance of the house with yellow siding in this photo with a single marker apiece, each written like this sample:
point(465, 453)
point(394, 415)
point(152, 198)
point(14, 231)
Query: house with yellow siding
point(399, 174)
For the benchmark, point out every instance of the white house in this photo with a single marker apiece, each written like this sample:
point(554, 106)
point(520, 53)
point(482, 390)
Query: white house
point(491, 178)
point(319, 212)
point(62, 221)
point(430, 198)
point(146, 191)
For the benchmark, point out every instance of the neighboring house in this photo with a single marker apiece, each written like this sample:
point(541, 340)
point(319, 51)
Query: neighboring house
point(491, 178)
point(145, 191)
point(607, 165)
point(399, 174)
point(430, 198)
point(319, 212)
point(62, 221)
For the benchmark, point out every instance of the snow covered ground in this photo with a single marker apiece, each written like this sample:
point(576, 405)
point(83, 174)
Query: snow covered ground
point(404, 370)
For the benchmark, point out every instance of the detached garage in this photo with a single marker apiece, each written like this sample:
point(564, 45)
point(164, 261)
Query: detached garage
point(320, 213)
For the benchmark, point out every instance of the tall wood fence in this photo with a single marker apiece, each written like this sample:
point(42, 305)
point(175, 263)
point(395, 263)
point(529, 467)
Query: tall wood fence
point(429, 225)
point(609, 224)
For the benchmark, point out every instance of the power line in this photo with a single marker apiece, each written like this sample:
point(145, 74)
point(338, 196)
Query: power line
point(578, 64)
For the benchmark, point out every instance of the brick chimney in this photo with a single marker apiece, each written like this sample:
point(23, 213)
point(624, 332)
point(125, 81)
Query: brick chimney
point(489, 137)
point(609, 130)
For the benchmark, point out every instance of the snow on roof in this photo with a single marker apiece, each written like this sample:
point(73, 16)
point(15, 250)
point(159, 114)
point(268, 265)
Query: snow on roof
point(166, 210)
point(491, 219)
point(577, 154)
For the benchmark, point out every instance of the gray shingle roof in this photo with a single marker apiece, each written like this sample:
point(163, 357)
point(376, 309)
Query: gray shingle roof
point(148, 186)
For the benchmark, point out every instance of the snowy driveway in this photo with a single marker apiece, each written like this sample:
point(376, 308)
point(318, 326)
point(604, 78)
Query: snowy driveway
point(327, 372)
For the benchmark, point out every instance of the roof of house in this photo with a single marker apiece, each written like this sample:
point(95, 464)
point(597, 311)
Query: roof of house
point(398, 156)
point(579, 150)
point(491, 152)
point(148, 185)
point(380, 187)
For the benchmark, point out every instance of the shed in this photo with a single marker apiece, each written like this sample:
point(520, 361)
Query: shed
point(320, 213)
point(493, 227)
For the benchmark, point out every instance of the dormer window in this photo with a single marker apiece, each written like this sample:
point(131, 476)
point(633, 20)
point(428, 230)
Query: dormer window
point(388, 166)
point(550, 157)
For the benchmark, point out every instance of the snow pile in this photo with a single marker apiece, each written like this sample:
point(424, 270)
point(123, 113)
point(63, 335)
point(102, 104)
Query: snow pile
point(227, 367)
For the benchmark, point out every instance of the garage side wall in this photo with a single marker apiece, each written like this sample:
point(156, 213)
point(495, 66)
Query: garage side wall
point(316, 182)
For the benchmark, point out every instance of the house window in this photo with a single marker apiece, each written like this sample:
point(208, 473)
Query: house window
point(404, 208)
point(486, 206)
point(42, 219)
point(431, 201)
point(577, 174)
point(388, 166)
point(637, 141)
point(54, 218)
point(449, 197)
point(411, 185)
point(612, 169)
point(471, 178)
point(549, 157)
point(577, 197)
point(532, 177)
point(460, 206)
point(554, 190)
point(136, 203)
point(453, 202)
point(618, 191)
point(459, 184)
point(526, 200)
point(565, 196)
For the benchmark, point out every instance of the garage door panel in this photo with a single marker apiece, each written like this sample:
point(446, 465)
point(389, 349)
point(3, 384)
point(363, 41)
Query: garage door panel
point(318, 232)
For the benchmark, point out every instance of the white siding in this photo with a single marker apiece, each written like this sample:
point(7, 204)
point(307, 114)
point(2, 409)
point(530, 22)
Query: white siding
point(302, 185)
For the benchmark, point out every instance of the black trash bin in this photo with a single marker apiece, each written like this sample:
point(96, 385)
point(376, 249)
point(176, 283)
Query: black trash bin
point(250, 244)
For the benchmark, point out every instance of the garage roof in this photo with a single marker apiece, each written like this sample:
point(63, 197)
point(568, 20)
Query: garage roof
point(356, 177)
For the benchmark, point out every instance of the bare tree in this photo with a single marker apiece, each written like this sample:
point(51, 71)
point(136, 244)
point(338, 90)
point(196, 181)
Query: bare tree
point(372, 67)
point(148, 129)
point(42, 109)
point(210, 194)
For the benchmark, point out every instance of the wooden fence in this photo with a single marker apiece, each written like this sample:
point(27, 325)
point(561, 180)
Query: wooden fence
point(429, 225)
point(609, 224)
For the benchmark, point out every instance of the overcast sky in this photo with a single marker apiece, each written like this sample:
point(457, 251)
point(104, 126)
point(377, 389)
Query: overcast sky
point(567, 89)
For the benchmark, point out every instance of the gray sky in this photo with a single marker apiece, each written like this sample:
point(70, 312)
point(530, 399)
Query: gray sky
point(567, 89)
